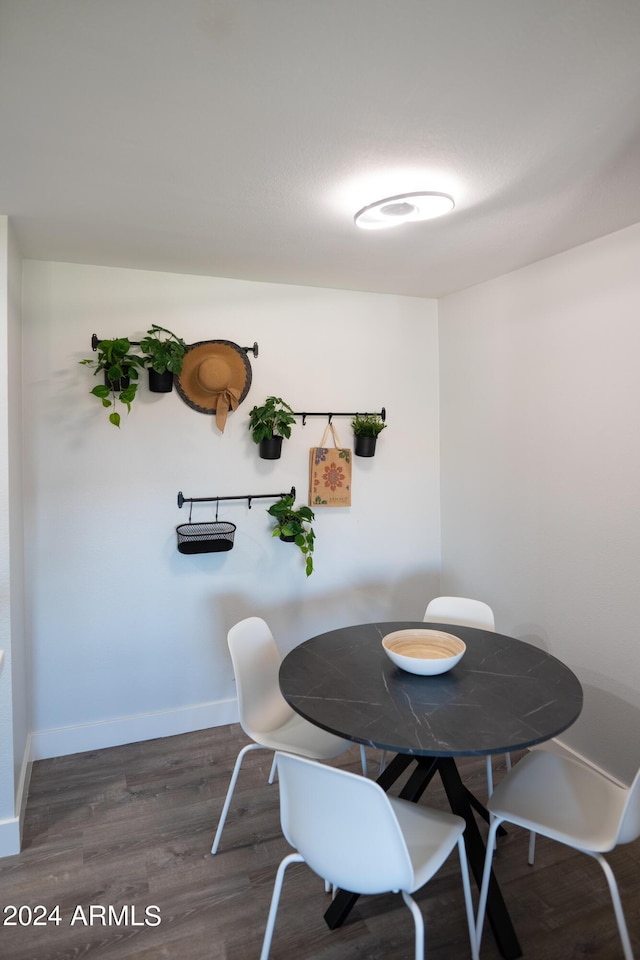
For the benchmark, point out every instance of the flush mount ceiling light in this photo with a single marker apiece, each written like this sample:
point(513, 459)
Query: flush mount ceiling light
point(404, 208)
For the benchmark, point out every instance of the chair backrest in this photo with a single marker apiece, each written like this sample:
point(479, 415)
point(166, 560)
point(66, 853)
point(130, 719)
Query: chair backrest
point(343, 825)
point(630, 821)
point(256, 662)
point(460, 610)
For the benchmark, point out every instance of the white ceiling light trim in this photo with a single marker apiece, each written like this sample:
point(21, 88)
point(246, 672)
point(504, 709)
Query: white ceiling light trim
point(403, 208)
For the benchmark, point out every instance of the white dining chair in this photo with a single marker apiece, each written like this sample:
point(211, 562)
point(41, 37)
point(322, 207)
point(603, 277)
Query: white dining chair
point(568, 801)
point(356, 837)
point(265, 716)
point(466, 613)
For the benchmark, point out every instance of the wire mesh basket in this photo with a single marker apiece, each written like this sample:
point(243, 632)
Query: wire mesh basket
point(214, 537)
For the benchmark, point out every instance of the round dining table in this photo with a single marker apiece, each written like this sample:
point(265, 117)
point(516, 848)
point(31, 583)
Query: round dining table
point(504, 695)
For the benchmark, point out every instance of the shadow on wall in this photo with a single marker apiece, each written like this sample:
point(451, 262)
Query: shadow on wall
point(301, 618)
point(606, 731)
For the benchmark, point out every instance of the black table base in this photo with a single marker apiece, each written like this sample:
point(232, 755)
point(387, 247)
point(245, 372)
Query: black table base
point(462, 803)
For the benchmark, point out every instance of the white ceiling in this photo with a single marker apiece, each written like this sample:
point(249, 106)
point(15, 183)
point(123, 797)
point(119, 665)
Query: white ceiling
point(237, 138)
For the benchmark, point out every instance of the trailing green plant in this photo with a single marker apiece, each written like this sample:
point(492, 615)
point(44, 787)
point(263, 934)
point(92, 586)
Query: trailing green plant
point(163, 353)
point(368, 425)
point(273, 419)
point(119, 365)
point(291, 522)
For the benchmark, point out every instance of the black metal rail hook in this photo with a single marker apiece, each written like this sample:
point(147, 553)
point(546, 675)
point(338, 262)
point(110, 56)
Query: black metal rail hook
point(245, 496)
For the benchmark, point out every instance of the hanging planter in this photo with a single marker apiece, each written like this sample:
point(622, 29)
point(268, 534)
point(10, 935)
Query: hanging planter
point(120, 368)
point(365, 446)
point(163, 355)
point(366, 429)
point(270, 448)
point(294, 526)
point(269, 425)
point(121, 383)
point(160, 382)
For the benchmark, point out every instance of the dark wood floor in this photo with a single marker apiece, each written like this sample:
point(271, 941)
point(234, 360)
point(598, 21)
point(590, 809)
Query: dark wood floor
point(131, 827)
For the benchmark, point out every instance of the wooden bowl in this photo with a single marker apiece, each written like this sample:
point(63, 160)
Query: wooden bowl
point(426, 652)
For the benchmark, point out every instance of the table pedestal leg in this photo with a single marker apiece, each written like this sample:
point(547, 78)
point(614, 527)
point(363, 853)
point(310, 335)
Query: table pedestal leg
point(460, 801)
point(457, 795)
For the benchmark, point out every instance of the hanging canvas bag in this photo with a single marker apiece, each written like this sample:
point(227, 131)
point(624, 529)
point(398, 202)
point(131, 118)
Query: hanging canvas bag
point(330, 473)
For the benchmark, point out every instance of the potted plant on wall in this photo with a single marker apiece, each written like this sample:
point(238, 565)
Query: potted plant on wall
point(366, 428)
point(120, 373)
point(269, 424)
point(163, 354)
point(294, 526)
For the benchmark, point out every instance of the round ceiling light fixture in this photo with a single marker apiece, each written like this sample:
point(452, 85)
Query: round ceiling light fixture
point(404, 208)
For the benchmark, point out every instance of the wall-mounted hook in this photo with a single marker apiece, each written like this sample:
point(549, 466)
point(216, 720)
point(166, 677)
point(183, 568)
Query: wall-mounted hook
point(330, 418)
point(253, 349)
point(249, 499)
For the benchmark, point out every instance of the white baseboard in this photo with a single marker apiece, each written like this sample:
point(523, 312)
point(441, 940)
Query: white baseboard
point(9, 837)
point(148, 726)
point(11, 830)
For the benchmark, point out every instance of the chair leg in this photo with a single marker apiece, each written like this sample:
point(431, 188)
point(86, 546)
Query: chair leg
point(532, 848)
point(275, 899)
point(418, 923)
point(363, 760)
point(486, 876)
point(274, 767)
point(507, 758)
point(617, 905)
point(383, 761)
point(489, 776)
point(227, 801)
point(468, 900)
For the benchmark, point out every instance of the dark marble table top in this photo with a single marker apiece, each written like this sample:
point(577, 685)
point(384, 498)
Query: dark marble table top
point(503, 695)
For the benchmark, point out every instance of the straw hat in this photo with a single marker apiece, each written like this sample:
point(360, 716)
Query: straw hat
point(215, 378)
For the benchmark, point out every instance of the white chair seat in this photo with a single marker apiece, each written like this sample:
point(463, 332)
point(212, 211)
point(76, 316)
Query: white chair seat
point(562, 798)
point(354, 836)
point(297, 735)
point(566, 800)
point(430, 836)
point(265, 716)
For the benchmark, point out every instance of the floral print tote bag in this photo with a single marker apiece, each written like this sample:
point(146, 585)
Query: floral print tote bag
point(330, 473)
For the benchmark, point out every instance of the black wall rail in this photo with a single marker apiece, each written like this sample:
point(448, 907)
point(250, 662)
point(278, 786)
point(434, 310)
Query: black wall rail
point(245, 496)
point(330, 416)
point(95, 340)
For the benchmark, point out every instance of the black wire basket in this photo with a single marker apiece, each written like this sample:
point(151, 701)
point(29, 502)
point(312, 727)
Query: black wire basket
point(214, 537)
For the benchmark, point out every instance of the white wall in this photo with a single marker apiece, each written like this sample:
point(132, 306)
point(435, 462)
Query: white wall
point(128, 634)
point(540, 396)
point(14, 760)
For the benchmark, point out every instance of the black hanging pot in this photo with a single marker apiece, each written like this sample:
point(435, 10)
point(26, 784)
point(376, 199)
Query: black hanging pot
point(365, 446)
point(160, 382)
point(271, 448)
point(288, 538)
point(116, 385)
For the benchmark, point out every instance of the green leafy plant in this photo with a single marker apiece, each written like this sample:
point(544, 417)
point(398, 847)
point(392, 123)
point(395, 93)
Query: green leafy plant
point(161, 352)
point(120, 371)
point(368, 425)
point(294, 523)
point(273, 419)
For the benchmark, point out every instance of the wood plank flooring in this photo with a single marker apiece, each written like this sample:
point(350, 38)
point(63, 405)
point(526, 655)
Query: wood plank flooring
point(131, 828)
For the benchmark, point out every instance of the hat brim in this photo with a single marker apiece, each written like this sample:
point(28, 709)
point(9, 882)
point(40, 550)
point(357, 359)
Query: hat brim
point(188, 386)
